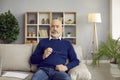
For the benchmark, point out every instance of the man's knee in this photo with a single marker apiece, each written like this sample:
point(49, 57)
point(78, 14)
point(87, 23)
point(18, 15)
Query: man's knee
point(61, 76)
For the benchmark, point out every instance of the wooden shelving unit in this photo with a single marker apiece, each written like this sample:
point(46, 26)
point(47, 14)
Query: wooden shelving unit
point(37, 25)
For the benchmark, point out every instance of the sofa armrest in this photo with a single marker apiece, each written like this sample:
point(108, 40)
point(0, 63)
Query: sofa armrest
point(80, 72)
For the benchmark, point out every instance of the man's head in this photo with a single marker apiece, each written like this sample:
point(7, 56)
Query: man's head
point(56, 28)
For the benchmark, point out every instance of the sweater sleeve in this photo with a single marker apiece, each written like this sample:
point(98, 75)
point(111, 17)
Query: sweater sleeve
point(37, 55)
point(73, 61)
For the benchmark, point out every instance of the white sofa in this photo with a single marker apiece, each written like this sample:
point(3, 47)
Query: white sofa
point(15, 58)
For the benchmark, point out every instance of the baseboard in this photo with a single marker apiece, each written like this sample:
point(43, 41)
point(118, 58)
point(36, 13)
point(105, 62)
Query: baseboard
point(90, 61)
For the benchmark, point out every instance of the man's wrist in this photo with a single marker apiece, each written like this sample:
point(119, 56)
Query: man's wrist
point(44, 56)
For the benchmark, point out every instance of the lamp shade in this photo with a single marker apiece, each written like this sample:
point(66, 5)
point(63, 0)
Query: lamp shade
point(94, 17)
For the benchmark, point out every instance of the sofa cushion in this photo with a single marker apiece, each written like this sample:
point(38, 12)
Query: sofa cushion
point(15, 56)
point(9, 78)
point(33, 66)
point(78, 51)
point(0, 66)
point(80, 72)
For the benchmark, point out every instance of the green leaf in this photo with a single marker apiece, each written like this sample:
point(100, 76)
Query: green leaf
point(110, 50)
point(9, 27)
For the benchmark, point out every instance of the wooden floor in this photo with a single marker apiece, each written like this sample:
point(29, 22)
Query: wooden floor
point(102, 72)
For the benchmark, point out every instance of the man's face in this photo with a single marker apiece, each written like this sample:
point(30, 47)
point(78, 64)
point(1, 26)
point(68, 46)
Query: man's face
point(56, 29)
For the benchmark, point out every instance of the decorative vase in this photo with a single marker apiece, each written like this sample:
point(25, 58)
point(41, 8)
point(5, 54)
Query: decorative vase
point(114, 70)
point(43, 21)
point(68, 35)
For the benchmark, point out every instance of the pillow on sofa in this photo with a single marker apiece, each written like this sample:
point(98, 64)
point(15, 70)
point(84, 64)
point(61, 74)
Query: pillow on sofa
point(15, 56)
point(78, 51)
point(33, 67)
point(0, 65)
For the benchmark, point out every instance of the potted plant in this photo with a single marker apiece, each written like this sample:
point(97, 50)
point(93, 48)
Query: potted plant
point(110, 50)
point(68, 34)
point(9, 28)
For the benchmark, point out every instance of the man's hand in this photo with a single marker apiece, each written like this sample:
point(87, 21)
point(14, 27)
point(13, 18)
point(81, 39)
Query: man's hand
point(47, 52)
point(61, 67)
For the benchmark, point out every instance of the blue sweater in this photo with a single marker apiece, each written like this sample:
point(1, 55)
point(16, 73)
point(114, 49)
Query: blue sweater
point(62, 50)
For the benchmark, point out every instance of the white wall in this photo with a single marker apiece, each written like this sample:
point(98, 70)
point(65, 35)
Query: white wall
point(82, 7)
point(115, 18)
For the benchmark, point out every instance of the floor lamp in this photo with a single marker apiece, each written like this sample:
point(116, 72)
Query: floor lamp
point(94, 18)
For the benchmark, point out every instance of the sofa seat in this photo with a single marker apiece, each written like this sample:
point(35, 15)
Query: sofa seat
point(15, 57)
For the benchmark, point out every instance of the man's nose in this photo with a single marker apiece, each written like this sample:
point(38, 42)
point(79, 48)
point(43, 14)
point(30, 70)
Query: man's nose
point(54, 28)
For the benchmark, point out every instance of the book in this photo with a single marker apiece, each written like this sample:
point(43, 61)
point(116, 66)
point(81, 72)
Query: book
point(43, 33)
point(15, 74)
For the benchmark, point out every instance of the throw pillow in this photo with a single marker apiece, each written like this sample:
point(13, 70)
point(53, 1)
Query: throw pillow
point(16, 56)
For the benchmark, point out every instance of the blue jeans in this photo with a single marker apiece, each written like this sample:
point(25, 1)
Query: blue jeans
point(44, 73)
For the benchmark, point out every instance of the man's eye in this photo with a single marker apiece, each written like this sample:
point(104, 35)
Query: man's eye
point(52, 26)
point(57, 26)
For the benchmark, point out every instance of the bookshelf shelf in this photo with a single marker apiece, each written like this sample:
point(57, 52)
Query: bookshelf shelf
point(37, 25)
